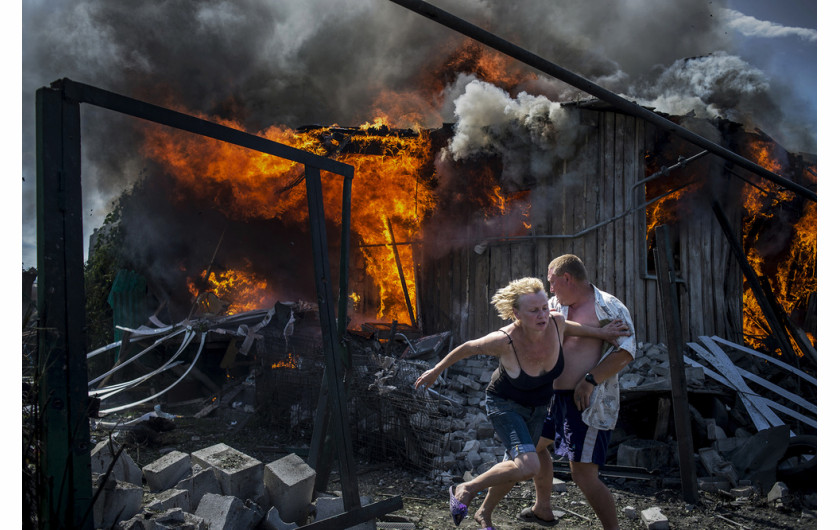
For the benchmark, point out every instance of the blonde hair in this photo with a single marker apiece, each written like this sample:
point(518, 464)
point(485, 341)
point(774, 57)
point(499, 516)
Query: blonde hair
point(506, 299)
point(568, 263)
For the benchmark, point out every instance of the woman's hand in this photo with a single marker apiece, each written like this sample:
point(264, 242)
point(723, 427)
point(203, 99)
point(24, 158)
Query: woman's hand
point(614, 330)
point(426, 379)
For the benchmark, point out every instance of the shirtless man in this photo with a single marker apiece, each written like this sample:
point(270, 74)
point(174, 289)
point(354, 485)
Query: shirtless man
point(586, 395)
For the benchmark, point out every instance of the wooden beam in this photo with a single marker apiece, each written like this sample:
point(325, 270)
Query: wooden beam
point(666, 279)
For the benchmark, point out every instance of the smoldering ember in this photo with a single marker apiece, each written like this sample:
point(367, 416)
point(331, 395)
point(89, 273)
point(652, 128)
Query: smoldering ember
point(240, 348)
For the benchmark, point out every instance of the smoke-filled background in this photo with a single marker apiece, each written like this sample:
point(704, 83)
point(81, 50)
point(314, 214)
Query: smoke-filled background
point(265, 63)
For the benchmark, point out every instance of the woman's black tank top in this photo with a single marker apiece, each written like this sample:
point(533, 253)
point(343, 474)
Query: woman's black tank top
point(531, 391)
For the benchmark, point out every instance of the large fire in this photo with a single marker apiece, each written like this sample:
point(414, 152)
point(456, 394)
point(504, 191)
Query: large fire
point(248, 185)
point(390, 183)
point(779, 233)
point(791, 268)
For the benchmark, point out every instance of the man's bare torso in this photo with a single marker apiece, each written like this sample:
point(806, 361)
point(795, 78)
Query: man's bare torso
point(580, 354)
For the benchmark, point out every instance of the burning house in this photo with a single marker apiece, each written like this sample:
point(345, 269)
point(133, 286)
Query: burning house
point(441, 218)
point(216, 238)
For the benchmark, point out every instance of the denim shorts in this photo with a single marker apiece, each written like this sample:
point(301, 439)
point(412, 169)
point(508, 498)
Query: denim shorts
point(517, 425)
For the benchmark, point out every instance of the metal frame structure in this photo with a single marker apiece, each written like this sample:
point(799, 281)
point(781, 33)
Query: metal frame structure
point(65, 490)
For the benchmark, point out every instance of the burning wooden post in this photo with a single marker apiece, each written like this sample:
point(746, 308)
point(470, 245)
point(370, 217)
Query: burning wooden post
point(763, 301)
point(400, 271)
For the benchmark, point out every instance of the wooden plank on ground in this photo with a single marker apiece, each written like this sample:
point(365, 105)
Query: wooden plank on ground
point(758, 419)
point(746, 374)
point(767, 358)
point(718, 358)
point(792, 413)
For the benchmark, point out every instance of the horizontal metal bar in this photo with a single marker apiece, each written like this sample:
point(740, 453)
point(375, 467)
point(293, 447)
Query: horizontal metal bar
point(83, 93)
point(485, 37)
point(359, 515)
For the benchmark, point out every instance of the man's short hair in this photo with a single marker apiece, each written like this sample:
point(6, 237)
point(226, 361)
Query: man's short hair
point(568, 263)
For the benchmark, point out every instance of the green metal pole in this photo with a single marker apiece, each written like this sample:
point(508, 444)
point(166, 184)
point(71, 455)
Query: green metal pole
point(64, 488)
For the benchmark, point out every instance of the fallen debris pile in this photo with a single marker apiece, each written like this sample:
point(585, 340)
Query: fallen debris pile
point(742, 448)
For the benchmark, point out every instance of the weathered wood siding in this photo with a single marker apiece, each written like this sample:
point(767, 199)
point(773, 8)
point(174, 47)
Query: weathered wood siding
point(594, 189)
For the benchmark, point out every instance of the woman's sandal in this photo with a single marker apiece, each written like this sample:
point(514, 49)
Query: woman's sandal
point(458, 510)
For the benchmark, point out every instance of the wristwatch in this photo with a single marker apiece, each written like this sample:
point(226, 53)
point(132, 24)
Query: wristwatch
point(590, 379)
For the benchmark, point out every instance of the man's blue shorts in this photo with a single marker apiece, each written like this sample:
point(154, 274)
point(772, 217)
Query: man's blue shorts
point(516, 425)
point(573, 438)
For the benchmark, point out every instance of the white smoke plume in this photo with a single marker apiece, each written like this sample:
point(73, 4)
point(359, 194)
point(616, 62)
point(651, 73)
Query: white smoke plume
point(530, 133)
point(715, 86)
point(753, 27)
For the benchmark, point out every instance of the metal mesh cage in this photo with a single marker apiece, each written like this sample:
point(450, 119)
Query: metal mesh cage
point(391, 419)
point(388, 418)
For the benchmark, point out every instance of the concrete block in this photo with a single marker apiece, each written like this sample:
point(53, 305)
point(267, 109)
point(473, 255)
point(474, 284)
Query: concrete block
point(118, 501)
point(717, 466)
point(167, 471)
point(630, 380)
point(135, 523)
point(654, 519)
point(727, 446)
point(171, 498)
point(289, 482)
point(167, 520)
point(694, 376)
point(630, 513)
point(647, 454)
point(199, 483)
point(273, 521)
point(471, 445)
point(225, 512)
point(485, 431)
point(326, 507)
point(474, 459)
point(238, 474)
point(778, 493)
point(559, 486)
point(125, 470)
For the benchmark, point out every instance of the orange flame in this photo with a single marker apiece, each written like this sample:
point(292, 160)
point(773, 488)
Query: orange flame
point(792, 275)
point(250, 185)
point(289, 362)
point(243, 291)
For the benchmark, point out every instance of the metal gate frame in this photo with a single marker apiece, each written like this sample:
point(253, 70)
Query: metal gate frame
point(65, 491)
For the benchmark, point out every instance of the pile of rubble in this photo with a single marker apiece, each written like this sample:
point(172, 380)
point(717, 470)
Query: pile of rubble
point(442, 431)
point(215, 487)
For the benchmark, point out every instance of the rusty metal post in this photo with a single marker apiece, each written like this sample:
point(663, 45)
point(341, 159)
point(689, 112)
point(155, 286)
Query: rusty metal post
point(485, 37)
point(666, 279)
point(333, 348)
point(64, 469)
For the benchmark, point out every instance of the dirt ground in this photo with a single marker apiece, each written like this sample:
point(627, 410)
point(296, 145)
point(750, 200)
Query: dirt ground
point(425, 500)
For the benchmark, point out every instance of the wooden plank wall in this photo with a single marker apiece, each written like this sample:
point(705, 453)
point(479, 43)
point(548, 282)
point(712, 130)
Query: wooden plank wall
point(596, 185)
